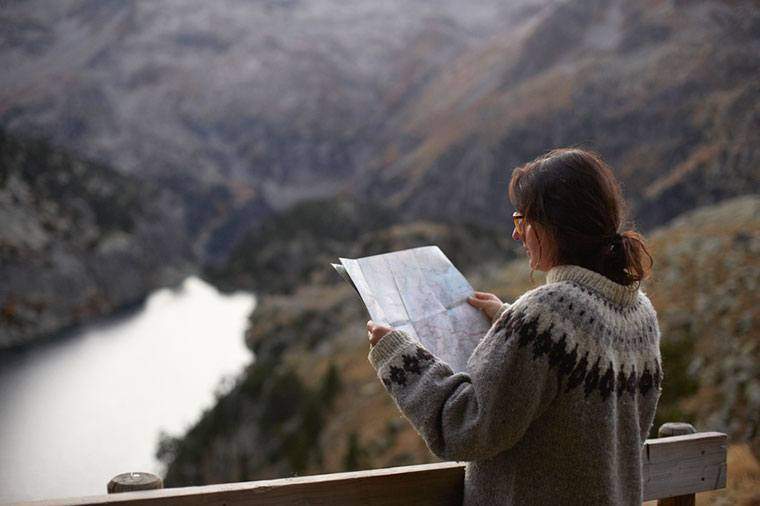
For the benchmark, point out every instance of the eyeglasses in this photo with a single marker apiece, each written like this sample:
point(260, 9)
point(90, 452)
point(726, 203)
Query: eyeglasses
point(519, 221)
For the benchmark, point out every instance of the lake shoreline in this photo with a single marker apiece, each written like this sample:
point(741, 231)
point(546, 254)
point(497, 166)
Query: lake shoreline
point(122, 310)
point(94, 400)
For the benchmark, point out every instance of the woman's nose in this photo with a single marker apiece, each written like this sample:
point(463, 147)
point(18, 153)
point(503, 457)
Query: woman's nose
point(515, 234)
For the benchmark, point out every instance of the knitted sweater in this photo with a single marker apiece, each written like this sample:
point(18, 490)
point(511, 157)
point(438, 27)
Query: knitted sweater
point(557, 400)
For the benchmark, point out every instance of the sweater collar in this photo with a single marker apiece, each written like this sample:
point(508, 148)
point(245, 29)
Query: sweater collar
point(617, 293)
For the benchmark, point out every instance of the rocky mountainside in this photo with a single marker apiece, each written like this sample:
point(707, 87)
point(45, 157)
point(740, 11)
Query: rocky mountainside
point(666, 91)
point(236, 108)
point(310, 403)
point(295, 246)
point(284, 96)
point(78, 240)
point(245, 108)
point(705, 291)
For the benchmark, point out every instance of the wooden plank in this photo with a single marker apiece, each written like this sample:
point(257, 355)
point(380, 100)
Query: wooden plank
point(683, 465)
point(672, 466)
point(690, 445)
point(427, 484)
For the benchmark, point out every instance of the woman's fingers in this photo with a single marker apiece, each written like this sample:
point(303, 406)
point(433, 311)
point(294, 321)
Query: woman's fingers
point(487, 306)
point(372, 326)
point(485, 296)
point(376, 332)
point(478, 303)
point(486, 302)
point(478, 297)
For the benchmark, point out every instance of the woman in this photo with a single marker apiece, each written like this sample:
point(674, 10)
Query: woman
point(560, 394)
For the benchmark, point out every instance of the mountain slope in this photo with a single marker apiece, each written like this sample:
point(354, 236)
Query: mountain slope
point(78, 240)
point(425, 108)
point(705, 291)
point(281, 94)
point(267, 102)
point(666, 93)
point(295, 246)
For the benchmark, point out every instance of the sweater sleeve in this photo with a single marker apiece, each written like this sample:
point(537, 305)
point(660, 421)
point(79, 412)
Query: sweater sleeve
point(500, 312)
point(469, 415)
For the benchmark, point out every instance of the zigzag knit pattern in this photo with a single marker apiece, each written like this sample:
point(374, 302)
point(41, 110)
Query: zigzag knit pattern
point(573, 364)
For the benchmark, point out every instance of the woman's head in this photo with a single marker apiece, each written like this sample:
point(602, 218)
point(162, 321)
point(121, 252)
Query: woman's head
point(574, 210)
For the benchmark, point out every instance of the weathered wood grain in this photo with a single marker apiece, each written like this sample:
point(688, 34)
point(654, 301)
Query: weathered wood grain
point(428, 484)
point(673, 466)
point(681, 465)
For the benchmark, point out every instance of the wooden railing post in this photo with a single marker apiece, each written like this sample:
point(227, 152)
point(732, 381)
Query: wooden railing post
point(677, 429)
point(132, 482)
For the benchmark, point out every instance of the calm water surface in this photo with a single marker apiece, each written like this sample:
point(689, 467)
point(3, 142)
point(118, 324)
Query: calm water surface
point(76, 412)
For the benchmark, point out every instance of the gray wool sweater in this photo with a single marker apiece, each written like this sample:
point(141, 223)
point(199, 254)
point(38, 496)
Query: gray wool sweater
point(557, 400)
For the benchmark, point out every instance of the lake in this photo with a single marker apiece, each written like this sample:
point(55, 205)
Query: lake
point(77, 411)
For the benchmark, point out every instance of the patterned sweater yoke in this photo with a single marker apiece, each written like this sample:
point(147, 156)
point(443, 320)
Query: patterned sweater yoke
point(557, 399)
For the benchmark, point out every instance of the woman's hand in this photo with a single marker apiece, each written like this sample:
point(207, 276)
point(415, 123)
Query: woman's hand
point(486, 302)
point(376, 332)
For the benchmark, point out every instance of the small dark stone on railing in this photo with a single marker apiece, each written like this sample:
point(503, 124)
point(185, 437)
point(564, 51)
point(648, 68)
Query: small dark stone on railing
point(131, 482)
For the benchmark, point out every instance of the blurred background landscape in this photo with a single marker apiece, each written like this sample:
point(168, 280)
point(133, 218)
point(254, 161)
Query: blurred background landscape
point(164, 161)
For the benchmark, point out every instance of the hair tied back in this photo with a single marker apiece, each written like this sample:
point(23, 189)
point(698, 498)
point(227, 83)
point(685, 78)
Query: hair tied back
point(614, 242)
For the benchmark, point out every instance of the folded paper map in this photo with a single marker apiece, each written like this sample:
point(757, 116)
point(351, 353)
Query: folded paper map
point(420, 292)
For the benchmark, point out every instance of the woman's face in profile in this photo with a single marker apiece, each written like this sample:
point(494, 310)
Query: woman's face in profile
point(538, 255)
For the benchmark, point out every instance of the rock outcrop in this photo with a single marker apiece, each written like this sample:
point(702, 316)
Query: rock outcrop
point(78, 240)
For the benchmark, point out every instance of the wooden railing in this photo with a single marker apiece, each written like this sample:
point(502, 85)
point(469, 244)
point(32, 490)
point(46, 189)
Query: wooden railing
point(675, 468)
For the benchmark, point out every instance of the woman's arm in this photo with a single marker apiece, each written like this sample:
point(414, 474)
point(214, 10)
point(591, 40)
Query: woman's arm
point(473, 415)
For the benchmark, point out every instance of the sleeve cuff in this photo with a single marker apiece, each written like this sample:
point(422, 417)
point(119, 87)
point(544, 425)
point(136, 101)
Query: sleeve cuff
point(501, 311)
point(388, 346)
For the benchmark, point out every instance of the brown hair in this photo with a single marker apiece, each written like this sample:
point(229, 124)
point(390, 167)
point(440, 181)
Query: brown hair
point(573, 196)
